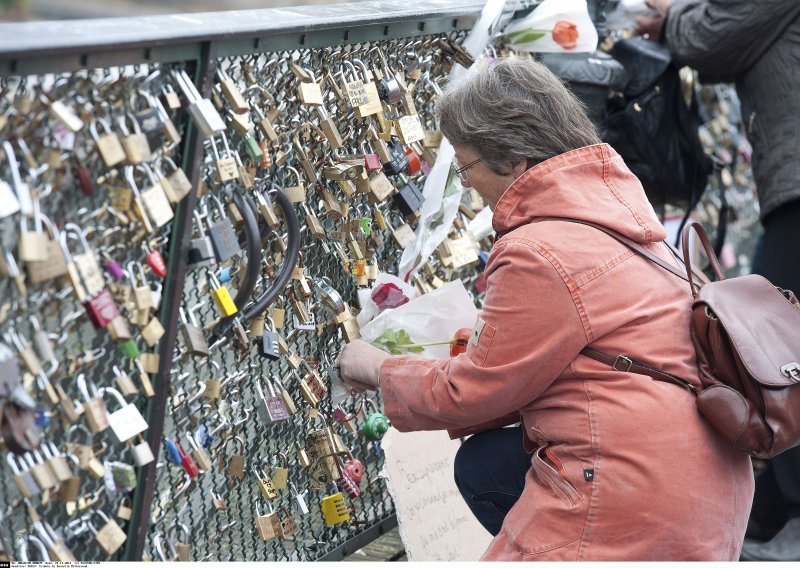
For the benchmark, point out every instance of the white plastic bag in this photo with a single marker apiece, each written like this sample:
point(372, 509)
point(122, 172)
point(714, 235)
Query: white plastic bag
point(555, 26)
point(435, 316)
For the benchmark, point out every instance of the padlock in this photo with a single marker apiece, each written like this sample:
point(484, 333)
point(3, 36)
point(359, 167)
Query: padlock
point(188, 464)
point(152, 332)
point(94, 406)
point(371, 91)
point(126, 422)
point(110, 537)
point(56, 461)
point(201, 249)
point(180, 550)
point(296, 193)
point(42, 474)
point(108, 145)
point(291, 407)
point(226, 166)
point(223, 236)
point(280, 474)
point(270, 408)
point(232, 94)
point(155, 260)
point(217, 501)
point(268, 344)
point(376, 424)
point(125, 509)
point(201, 457)
point(23, 477)
point(32, 245)
point(347, 483)
point(222, 298)
point(174, 180)
point(155, 200)
point(288, 524)
point(309, 92)
point(193, 339)
point(265, 484)
point(83, 269)
point(268, 526)
point(334, 509)
point(321, 450)
point(266, 209)
point(329, 128)
point(70, 488)
point(409, 130)
point(141, 451)
point(145, 111)
point(236, 461)
point(134, 142)
point(402, 233)
point(314, 224)
point(353, 87)
point(124, 475)
point(54, 264)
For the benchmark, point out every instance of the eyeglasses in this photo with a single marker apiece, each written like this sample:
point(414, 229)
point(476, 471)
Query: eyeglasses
point(460, 170)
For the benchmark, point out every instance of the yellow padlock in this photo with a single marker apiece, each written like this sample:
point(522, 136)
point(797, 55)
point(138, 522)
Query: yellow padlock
point(334, 509)
point(222, 297)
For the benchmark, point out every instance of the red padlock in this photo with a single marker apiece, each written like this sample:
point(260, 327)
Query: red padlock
point(355, 469)
point(155, 261)
point(266, 162)
point(372, 162)
point(187, 462)
point(101, 309)
point(414, 163)
point(84, 178)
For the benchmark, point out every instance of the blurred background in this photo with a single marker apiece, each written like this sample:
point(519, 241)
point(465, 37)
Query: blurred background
point(26, 10)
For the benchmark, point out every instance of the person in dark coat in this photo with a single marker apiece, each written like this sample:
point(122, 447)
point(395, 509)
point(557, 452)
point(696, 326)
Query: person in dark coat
point(756, 43)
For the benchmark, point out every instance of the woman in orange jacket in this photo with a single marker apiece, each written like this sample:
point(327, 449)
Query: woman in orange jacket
point(621, 467)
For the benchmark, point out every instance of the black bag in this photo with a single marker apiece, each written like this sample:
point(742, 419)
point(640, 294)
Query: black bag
point(654, 130)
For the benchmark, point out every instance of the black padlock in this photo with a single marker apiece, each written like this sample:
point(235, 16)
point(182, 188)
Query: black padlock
point(408, 198)
point(223, 236)
point(146, 113)
point(268, 346)
point(201, 250)
point(398, 162)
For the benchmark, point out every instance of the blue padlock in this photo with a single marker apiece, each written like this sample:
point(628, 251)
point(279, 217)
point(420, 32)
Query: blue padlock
point(226, 274)
point(173, 453)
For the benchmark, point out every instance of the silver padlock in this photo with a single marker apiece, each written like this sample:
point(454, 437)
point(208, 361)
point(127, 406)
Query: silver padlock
point(141, 451)
point(127, 421)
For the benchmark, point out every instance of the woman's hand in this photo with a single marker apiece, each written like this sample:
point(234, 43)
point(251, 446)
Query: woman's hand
point(660, 6)
point(360, 365)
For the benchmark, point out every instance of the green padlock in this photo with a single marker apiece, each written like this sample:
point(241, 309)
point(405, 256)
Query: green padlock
point(253, 149)
point(124, 475)
point(130, 349)
point(376, 424)
point(365, 223)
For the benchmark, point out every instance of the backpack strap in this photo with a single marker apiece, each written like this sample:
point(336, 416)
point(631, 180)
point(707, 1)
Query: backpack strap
point(628, 365)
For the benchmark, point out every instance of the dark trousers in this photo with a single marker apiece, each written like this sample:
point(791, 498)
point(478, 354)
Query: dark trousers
point(490, 470)
point(779, 262)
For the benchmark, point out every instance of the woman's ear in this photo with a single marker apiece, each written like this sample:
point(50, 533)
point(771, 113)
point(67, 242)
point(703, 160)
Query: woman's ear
point(519, 168)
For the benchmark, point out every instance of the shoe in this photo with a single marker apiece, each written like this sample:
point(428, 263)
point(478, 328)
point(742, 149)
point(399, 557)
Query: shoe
point(784, 546)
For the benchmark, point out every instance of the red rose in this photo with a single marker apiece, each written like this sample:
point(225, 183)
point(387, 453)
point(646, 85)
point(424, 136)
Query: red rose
point(565, 34)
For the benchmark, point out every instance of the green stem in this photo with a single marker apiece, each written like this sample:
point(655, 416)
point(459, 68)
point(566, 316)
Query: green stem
point(426, 344)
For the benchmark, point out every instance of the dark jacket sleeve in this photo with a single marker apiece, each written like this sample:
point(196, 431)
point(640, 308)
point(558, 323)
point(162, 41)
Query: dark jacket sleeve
point(723, 38)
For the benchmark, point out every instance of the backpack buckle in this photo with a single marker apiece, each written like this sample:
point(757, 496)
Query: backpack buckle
point(792, 370)
point(629, 363)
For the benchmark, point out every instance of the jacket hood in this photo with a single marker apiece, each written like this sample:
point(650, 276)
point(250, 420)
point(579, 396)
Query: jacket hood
point(588, 184)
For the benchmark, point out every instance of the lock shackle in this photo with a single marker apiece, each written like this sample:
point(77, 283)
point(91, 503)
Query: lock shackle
point(192, 441)
point(157, 538)
point(121, 120)
point(78, 428)
point(13, 166)
point(296, 174)
point(84, 385)
point(282, 456)
point(258, 510)
point(371, 403)
point(135, 266)
point(14, 465)
point(238, 440)
point(89, 519)
point(22, 548)
point(115, 393)
point(71, 229)
point(138, 94)
point(93, 127)
point(160, 160)
point(364, 70)
point(171, 531)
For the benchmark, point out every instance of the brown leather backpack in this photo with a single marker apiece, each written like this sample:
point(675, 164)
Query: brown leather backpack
point(747, 336)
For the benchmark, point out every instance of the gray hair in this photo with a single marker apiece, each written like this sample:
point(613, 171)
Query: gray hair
point(514, 110)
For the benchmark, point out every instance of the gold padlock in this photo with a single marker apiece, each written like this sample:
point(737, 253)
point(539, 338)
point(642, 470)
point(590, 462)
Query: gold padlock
point(334, 509)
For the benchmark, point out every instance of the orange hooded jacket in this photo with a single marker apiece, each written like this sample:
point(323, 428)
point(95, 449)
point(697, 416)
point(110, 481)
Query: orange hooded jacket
point(623, 467)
